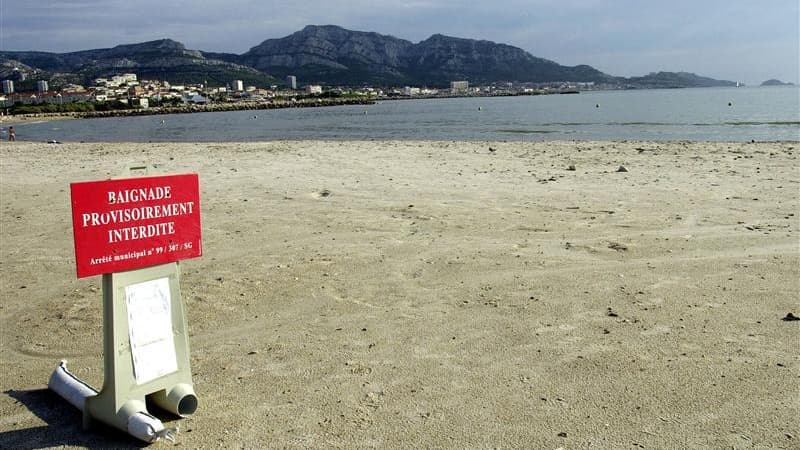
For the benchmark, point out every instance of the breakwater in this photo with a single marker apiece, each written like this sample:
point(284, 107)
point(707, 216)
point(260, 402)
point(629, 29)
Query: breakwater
point(198, 108)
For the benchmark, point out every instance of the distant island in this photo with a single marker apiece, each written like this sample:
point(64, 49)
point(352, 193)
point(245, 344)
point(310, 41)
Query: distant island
point(774, 82)
point(329, 56)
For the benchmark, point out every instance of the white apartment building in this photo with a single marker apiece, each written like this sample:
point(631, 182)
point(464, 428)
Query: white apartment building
point(457, 87)
point(124, 79)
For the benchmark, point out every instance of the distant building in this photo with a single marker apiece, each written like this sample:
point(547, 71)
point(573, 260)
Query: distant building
point(314, 89)
point(70, 96)
point(136, 91)
point(50, 97)
point(197, 99)
point(8, 87)
point(122, 80)
point(41, 86)
point(459, 87)
point(291, 80)
point(411, 91)
point(73, 87)
point(237, 85)
point(140, 103)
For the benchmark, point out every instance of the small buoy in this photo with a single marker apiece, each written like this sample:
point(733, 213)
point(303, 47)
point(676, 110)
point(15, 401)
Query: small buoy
point(597, 105)
point(480, 108)
point(730, 103)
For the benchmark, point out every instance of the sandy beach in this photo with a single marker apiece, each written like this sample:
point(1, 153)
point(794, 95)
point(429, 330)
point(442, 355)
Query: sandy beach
point(480, 295)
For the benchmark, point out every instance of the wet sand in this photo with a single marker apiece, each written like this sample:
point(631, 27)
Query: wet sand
point(436, 294)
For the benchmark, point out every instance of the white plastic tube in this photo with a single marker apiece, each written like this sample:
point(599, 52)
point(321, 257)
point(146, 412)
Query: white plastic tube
point(149, 429)
point(140, 425)
point(67, 385)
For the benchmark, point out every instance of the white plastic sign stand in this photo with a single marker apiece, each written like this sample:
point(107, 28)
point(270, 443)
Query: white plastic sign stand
point(145, 347)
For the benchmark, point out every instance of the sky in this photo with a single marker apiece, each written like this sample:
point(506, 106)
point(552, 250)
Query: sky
point(738, 40)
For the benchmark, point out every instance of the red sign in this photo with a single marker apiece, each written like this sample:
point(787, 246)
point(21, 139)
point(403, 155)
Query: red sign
point(130, 223)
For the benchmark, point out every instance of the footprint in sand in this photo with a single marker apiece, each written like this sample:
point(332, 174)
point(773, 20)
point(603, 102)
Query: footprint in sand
point(657, 330)
point(321, 194)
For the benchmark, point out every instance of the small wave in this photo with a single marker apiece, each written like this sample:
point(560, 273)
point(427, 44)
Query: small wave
point(660, 124)
point(570, 124)
point(613, 124)
point(524, 131)
point(756, 123)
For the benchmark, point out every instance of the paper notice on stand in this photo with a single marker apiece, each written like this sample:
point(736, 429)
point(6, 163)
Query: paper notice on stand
point(150, 329)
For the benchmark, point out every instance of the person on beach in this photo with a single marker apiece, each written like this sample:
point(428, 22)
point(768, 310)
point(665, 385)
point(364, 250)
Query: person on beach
point(12, 135)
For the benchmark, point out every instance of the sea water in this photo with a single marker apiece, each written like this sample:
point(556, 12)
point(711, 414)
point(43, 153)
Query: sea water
point(700, 114)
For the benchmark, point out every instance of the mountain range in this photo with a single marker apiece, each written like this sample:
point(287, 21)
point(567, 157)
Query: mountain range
point(328, 55)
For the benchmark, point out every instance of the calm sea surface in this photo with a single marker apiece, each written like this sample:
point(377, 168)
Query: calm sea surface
point(714, 114)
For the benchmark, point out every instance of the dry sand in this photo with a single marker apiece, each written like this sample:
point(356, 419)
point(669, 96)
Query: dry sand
point(436, 295)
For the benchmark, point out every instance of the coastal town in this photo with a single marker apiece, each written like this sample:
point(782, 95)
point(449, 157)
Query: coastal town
point(126, 94)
